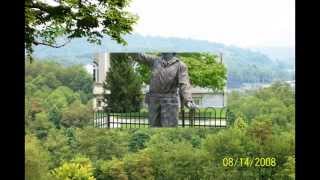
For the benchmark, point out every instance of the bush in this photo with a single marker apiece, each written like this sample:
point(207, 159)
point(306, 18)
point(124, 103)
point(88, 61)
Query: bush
point(76, 115)
point(137, 141)
point(102, 144)
point(41, 125)
point(111, 170)
point(36, 159)
point(288, 169)
point(139, 166)
point(58, 146)
point(79, 168)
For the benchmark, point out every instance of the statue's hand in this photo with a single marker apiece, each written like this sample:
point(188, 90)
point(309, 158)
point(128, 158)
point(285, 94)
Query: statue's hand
point(191, 105)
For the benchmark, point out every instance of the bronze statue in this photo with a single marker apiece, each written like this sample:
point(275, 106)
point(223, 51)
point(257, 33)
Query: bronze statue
point(169, 80)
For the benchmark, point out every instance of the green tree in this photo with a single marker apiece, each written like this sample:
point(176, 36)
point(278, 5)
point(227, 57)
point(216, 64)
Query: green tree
point(43, 77)
point(260, 130)
point(112, 170)
point(79, 168)
point(275, 102)
point(225, 143)
point(58, 101)
point(44, 23)
point(203, 68)
point(76, 115)
point(36, 159)
point(138, 140)
point(76, 78)
point(57, 145)
point(172, 159)
point(288, 169)
point(41, 125)
point(124, 85)
point(187, 162)
point(240, 122)
point(139, 166)
point(33, 106)
point(99, 144)
point(280, 146)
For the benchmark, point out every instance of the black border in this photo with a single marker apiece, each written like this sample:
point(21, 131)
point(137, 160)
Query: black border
point(307, 111)
point(12, 65)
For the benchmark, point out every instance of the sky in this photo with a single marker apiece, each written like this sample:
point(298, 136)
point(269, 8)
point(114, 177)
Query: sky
point(244, 23)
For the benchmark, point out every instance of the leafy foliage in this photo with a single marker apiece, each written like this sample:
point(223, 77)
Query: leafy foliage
point(203, 69)
point(77, 115)
point(78, 168)
point(113, 170)
point(263, 127)
point(275, 103)
point(58, 147)
point(44, 23)
point(138, 141)
point(41, 125)
point(37, 158)
point(51, 89)
point(98, 144)
point(124, 85)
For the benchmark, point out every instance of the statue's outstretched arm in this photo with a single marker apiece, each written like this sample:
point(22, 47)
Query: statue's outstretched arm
point(143, 58)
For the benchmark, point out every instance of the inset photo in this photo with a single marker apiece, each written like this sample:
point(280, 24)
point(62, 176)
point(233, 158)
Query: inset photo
point(164, 89)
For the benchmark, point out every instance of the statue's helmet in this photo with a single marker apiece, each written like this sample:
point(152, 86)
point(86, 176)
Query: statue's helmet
point(168, 55)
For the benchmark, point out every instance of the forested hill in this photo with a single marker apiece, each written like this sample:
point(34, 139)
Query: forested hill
point(244, 65)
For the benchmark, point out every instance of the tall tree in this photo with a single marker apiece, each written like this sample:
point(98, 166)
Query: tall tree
point(45, 21)
point(36, 160)
point(124, 85)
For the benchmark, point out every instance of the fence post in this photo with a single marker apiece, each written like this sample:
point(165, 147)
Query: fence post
point(94, 113)
point(227, 117)
point(192, 118)
point(108, 118)
point(182, 110)
point(182, 116)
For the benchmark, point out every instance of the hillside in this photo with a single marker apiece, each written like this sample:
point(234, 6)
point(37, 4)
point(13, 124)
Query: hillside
point(244, 65)
point(284, 56)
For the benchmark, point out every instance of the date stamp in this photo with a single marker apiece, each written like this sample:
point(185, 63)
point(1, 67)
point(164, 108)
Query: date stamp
point(249, 162)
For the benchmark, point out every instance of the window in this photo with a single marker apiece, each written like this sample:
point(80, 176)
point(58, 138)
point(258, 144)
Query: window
point(97, 75)
point(197, 100)
point(98, 103)
point(95, 72)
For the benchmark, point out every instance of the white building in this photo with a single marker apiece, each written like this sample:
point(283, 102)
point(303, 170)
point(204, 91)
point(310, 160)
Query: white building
point(101, 65)
point(203, 97)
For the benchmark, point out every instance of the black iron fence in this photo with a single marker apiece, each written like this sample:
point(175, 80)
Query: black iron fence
point(201, 118)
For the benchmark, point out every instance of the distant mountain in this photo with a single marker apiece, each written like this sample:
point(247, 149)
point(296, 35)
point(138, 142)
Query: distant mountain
point(282, 55)
point(275, 52)
point(244, 65)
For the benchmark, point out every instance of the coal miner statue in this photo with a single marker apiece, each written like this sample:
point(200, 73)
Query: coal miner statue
point(169, 82)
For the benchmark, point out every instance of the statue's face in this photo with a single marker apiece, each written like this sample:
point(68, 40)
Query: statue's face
point(167, 56)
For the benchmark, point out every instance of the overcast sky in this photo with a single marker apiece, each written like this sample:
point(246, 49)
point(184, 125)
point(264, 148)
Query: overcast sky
point(242, 23)
point(233, 22)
